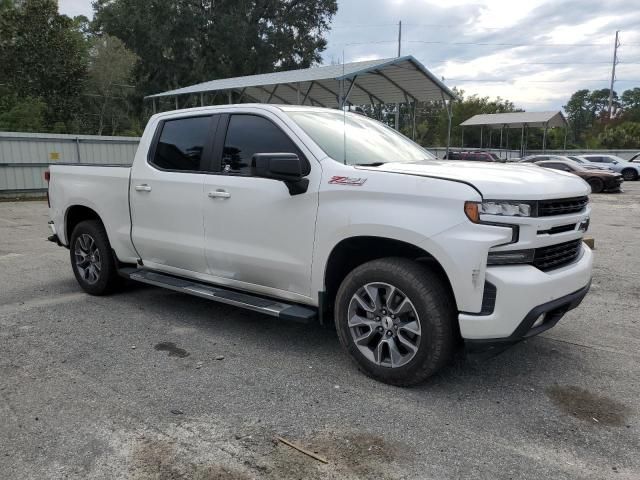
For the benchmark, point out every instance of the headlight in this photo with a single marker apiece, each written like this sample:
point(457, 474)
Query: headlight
point(499, 207)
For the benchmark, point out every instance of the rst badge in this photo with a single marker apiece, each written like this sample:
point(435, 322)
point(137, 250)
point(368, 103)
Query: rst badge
point(351, 181)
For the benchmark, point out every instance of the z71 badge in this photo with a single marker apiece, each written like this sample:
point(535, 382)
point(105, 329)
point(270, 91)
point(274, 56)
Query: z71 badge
point(351, 181)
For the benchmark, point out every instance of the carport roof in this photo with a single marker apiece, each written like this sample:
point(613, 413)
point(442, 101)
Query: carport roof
point(517, 120)
point(390, 80)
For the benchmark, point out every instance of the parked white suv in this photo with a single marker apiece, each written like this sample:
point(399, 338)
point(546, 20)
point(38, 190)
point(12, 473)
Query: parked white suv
point(306, 213)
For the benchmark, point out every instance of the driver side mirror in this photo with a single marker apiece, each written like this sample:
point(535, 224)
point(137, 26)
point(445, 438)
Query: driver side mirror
point(286, 167)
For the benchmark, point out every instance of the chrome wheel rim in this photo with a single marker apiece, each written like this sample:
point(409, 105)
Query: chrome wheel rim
point(87, 257)
point(384, 324)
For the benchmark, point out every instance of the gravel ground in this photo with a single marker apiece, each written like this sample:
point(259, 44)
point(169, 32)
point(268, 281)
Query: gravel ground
point(151, 384)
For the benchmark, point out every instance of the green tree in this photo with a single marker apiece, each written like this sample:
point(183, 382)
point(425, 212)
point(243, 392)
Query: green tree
point(625, 135)
point(630, 101)
point(23, 115)
point(578, 113)
point(182, 42)
point(43, 55)
point(108, 86)
point(432, 120)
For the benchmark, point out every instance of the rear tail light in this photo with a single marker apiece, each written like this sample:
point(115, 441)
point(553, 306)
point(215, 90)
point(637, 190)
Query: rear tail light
point(47, 178)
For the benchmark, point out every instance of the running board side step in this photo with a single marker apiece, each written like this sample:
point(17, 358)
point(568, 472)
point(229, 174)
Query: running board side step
point(285, 311)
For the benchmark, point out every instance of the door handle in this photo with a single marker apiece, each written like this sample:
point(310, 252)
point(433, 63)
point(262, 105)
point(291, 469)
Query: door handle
point(143, 188)
point(219, 194)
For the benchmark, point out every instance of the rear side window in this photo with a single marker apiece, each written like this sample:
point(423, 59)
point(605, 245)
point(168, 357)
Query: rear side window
point(181, 144)
point(248, 135)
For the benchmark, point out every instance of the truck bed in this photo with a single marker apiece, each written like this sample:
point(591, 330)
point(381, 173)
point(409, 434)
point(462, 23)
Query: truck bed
point(102, 188)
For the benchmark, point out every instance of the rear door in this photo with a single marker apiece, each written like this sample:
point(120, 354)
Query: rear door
point(258, 236)
point(166, 195)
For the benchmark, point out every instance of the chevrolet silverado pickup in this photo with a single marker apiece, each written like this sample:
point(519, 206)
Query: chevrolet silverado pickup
point(307, 213)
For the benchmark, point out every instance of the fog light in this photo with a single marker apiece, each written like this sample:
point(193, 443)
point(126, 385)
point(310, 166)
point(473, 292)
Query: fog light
point(584, 225)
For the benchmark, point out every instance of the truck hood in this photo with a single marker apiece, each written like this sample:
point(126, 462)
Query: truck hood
point(499, 181)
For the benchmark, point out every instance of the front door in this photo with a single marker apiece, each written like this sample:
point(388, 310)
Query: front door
point(257, 235)
point(166, 195)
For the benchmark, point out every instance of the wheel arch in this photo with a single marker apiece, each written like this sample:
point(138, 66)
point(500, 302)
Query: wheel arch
point(76, 214)
point(353, 251)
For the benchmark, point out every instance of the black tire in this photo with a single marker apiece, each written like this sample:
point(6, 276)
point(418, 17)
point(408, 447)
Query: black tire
point(433, 306)
point(104, 280)
point(629, 174)
point(597, 185)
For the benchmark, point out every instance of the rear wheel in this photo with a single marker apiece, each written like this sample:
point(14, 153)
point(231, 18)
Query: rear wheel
point(92, 259)
point(396, 319)
point(629, 174)
point(597, 185)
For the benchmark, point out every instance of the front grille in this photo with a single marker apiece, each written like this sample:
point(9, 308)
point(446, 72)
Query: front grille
point(561, 206)
point(556, 256)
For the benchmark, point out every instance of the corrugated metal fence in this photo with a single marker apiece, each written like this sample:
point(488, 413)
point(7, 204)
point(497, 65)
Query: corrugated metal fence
point(25, 156)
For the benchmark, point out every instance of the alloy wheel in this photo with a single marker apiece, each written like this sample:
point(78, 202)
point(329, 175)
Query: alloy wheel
point(384, 324)
point(87, 258)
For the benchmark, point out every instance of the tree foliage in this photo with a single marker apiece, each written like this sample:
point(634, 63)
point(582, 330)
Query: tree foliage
point(108, 84)
point(43, 56)
point(182, 42)
point(432, 120)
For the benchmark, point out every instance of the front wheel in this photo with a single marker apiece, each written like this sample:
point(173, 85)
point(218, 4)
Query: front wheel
point(396, 319)
point(629, 174)
point(92, 260)
point(597, 185)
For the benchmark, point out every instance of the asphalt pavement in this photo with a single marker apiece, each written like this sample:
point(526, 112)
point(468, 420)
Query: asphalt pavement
point(152, 384)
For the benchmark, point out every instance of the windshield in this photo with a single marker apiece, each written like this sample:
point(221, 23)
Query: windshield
point(367, 142)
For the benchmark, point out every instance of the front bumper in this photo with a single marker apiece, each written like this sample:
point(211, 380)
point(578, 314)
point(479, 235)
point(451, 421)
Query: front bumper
point(549, 313)
point(522, 291)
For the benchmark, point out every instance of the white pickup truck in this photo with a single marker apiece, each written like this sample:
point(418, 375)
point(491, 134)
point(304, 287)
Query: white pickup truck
point(304, 213)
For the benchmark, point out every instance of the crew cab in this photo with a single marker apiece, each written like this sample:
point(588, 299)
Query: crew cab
point(307, 213)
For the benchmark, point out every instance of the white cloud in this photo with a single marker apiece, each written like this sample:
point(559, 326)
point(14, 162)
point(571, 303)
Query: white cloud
point(534, 77)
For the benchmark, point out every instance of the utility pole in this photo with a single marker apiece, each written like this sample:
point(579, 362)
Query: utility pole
point(613, 72)
point(398, 104)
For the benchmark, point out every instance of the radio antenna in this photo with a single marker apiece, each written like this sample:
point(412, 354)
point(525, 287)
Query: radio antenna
point(344, 114)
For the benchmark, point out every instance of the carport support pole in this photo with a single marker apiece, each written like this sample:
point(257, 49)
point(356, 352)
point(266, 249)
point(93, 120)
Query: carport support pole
point(522, 142)
point(230, 97)
point(201, 99)
point(481, 131)
point(501, 128)
point(566, 130)
point(544, 138)
point(413, 129)
point(507, 145)
point(462, 138)
point(177, 103)
point(154, 105)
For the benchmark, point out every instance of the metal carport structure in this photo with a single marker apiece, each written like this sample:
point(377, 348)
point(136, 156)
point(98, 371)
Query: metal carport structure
point(373, 82)
point(521, 120)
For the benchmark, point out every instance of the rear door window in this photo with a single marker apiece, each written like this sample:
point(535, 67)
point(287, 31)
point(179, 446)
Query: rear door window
point(182, 143)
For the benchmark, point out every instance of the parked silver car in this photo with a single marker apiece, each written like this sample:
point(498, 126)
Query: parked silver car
point(563, 158)
point(629, 170)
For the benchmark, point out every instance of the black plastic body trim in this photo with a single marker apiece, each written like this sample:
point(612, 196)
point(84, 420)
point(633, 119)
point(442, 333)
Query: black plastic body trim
point(554, 311)
point(488, 300)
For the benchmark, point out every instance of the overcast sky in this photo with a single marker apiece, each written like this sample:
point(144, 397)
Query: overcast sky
point(491, 47)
